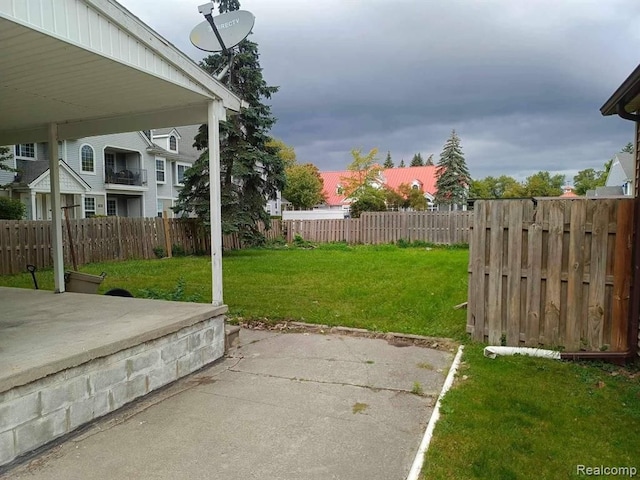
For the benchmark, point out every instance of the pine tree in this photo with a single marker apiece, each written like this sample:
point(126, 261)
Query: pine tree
point(402, 165)
point(388, 163)
point(417, 160)
point(429, 162)
point(251, 171)
point(453, 178)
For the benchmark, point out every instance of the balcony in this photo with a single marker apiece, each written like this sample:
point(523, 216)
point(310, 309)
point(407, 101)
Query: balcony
point(126, 176)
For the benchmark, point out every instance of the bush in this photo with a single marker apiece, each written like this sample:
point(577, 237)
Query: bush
point(11, 209)
point(178, 251)
point(159, 252)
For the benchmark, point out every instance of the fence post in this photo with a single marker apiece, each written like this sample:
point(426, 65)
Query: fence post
point(167, 233)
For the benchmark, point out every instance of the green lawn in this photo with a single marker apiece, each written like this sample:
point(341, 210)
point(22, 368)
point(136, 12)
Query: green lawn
point(509, 418)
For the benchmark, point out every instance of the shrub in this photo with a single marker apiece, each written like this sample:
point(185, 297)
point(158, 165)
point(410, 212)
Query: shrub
point(159, 251)
point(178, 251)
point(11, 209)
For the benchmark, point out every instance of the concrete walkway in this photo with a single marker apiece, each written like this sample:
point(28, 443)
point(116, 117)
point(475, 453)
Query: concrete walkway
point(280, 406)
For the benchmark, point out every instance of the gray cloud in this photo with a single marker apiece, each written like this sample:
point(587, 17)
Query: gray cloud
point(521, 82)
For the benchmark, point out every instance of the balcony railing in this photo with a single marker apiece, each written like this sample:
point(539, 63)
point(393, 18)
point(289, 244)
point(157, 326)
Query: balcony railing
point(127, 176)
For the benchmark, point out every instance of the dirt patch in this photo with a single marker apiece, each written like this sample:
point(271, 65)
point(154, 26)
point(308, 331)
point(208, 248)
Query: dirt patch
point(395, 339)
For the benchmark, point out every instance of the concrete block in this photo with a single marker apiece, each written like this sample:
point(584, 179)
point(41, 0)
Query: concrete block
point(142, 361)
point(63, 394)
point(127, 391)
point(189, 363)
point(174, 349)
point(7, 452)
point(85, 411)
point(195, 340)
point(162, 376)
point(37, 432)
point(103, 380)
point(19, 411)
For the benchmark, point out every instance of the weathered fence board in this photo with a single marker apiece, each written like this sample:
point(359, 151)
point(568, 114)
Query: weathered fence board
point(385, 227)
point(105, 238)
point(555, 274)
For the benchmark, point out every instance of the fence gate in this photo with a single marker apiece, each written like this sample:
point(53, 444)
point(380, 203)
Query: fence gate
point(554, 273)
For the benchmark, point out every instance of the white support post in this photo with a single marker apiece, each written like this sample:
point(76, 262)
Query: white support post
point(56, 211)
point(34, 206)
point(216, 112)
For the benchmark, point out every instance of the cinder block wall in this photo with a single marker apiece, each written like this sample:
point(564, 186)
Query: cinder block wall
point(34, 414)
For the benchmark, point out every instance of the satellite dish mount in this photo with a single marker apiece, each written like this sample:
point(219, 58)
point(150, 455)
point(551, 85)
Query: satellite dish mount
point(222, 32)
point(206, 10)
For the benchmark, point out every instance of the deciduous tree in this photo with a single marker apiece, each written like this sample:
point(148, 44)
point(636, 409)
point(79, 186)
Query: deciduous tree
point(304, 186)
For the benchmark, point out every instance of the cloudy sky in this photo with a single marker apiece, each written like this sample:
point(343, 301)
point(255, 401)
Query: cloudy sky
point(521, 81)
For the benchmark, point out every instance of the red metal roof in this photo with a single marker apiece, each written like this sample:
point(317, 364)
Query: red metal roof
point(391, 177)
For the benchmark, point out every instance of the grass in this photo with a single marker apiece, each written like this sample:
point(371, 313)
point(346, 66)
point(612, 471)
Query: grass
point(509, 418)
point(386, 288)
point(522, 417)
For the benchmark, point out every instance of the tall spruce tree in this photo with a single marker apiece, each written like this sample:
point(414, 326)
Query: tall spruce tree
point(402, 165)
point(250, 169)
point(417, 160)
point(429, 162)
point(453, 178)
point(388, 163)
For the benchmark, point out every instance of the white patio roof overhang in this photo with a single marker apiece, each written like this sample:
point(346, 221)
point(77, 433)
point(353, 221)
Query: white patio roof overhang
point(76, 68)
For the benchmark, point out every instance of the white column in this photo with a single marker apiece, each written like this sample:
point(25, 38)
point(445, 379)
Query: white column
point(56, 210)
point(34, 208)
point(216, 110)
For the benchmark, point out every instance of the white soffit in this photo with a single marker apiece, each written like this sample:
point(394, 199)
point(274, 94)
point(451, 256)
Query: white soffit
point(93, 68)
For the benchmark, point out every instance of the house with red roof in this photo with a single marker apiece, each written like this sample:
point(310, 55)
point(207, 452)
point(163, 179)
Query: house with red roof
point(418, 178)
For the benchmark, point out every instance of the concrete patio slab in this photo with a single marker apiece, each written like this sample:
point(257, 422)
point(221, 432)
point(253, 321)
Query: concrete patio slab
point(279, 406)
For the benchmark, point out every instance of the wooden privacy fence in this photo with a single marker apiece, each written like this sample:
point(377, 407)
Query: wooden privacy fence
point(105, 238)
point(385, 227)
point(556, 273)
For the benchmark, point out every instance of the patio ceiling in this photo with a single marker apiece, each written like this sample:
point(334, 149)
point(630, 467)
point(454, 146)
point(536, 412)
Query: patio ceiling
point(93, 68)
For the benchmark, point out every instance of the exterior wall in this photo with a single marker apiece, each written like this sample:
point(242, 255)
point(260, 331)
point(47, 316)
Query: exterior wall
point(34, 414)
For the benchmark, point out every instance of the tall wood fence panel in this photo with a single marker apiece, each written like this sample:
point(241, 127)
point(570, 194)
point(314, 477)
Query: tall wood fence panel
point(556, 273)
point(385, 227)
point(101, 239)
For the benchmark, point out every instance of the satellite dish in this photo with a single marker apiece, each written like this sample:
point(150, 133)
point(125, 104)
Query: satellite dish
point(230, 29)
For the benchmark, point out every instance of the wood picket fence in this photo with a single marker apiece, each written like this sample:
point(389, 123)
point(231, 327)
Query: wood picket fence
point(98, 239)
point(385, 227)
point(556, 273)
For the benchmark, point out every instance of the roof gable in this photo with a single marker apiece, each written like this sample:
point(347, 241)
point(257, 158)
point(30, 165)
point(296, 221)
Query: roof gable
point(70, 181)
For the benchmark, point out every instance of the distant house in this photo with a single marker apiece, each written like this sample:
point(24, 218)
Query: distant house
point(621, 173)
point(135, 174)
point(619, 180)
point(418, 178)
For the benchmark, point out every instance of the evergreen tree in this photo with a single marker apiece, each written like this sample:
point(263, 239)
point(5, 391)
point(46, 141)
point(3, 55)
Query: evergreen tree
point(402, 165)
point(388, 163)
point(429, 162)
point(5, 156)
point(453, 178)
point(417, 160)
point(251, 171)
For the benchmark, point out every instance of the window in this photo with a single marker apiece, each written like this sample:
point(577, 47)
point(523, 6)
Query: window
point(26, 150)
point(112, 207)
point(89, 207)
point(160, 207)
point(173, 143)
point(87, 164)
point(160, 170)
point(415, 187)
point(180, 169)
